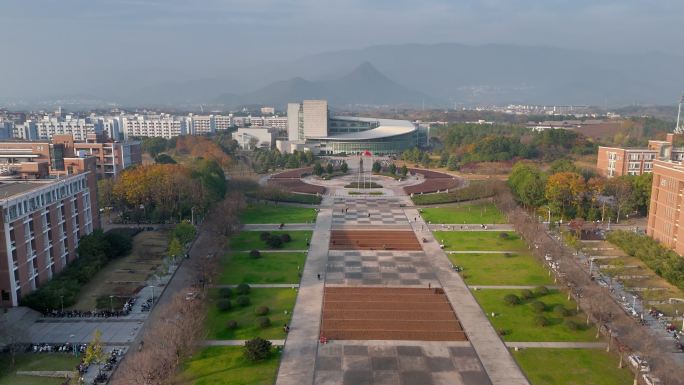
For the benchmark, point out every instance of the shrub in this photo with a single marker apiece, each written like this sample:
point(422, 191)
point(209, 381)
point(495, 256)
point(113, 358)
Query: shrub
point(225, 292)
point(264, 236)
point(508, 255)
point(261, 310)
point(263, 322)
point(503, 235)
point(541, 321)
point(274, 242)
point(526, 294)
point(255, 254)
point(232, 324)
point(257, 349)
point(285, 238)
point(541, 290)
point(224, 304)
point(512, 299)
point(571, 325)
point(561, 311)
point(243, 288)
point(243, 301)
point(538, 306)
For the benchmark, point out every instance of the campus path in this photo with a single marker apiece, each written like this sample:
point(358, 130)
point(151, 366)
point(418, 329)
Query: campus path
point(469, 227)
point(297, 365)
point(558, 345)
point(493, 353)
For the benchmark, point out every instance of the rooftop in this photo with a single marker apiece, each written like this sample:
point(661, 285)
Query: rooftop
point(11, 188)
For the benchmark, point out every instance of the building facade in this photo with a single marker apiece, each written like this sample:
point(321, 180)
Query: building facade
point(42, 222)
point(111, 157)
point(79, 128)
point(163, 126)
point(665, 214)
point(251, 138)
point(619, 161)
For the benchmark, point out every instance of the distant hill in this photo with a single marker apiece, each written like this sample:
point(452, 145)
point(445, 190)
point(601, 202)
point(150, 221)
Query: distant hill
point(443, 75)
point(364, 85)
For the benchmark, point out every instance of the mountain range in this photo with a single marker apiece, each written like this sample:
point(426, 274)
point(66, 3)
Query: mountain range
point(438, 75)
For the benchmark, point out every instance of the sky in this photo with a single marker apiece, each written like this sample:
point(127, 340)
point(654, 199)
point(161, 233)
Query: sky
point(70, 46)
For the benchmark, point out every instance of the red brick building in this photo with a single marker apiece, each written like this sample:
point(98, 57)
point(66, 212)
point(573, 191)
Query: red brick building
point(665, 214)
point(619, 161)
point(42, 222)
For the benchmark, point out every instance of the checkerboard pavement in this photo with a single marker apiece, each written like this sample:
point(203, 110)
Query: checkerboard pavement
point(379, 268)
point(348, 363)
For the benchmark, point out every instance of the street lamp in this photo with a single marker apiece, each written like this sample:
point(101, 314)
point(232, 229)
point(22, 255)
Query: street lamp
point(61, 299)
point(152, 287)
point(111, 303)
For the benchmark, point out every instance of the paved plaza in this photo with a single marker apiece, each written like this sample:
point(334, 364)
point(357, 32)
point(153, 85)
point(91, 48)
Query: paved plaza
point(381, 268)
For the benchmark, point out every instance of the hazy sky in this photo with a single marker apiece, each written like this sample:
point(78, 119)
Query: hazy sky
point(56, 46)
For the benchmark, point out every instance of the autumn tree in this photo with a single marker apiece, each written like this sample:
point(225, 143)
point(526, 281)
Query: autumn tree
point(564, 192)
point(620, 189)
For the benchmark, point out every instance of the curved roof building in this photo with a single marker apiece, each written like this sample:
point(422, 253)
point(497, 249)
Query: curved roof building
point(310, 123)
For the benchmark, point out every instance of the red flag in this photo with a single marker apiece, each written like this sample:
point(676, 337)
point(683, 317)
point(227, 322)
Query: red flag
point(367, 153)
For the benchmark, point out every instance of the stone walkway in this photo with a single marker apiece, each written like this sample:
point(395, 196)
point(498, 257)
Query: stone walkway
point(492, 352)
point(298, 361)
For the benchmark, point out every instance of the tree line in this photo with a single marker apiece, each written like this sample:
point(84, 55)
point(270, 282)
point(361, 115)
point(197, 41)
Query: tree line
point(568, 192)
point(264, 161)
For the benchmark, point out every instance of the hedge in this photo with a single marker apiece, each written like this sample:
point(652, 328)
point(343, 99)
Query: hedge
point(475, 190)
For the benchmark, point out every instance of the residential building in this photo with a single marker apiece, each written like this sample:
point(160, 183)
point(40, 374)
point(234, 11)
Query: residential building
point(79, 128)
point(267, 110)
point(111, 157)
point(201, 124)
point(42, 222)
point(666, 214)
point(163, 125)
point(618, 161)
point(223, 122)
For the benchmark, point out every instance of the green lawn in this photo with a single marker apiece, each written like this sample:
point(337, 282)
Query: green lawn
point(479, 213)
point(518, 321)
point(225, 365)
point(480, 240)
point(31, 362)
point(572, 367)
point(270, 268)
point(278, 300)
point(269, 213)
point(248, 240)
point(500, 269)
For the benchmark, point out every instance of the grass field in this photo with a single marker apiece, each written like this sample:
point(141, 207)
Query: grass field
point(225, 365)
point(31, 362)
point(270, 268)
point(122, 276)
point(480, 240)
point(479, 213)
point(500, 269)
point(278, 300)
point(518, 321)
point(248, 240)
point(572, 367)
point(269, 213)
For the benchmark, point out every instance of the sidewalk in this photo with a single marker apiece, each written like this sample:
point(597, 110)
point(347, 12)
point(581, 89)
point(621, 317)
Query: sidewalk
point(297, 365)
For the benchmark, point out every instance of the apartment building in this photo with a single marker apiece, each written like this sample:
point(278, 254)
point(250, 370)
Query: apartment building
point(201, 124)
point(111, 157)
point(164, 126)
point(42, 222)
point(79, 128)
point(665, 214)
point(223, 122)
point(618, 161)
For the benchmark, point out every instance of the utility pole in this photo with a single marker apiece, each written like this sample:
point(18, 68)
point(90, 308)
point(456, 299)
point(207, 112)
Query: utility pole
point(679, 129)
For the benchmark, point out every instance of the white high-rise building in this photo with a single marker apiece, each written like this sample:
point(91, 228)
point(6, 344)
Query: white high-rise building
point(79, 128)
point(201, 124)
point(163, 126)
point(223, 122)
point(307, 120)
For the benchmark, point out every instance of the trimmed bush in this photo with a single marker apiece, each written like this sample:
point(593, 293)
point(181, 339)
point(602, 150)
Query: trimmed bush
point(224, 304)
point(541, 290)
point(231, 324)
point(264, 236)
point(274, 242)
point(512, 299)
point(243, 288)
point(561, 311)
point(285, 238)
point(243, 301)
point(257, 349)
point(541, 321)
point(526, 294)
point(263, 322)
point(538, 306)
point(261, 310)
point(255, 254)
point(503, 235)
point(571, 325)
point(225, 292)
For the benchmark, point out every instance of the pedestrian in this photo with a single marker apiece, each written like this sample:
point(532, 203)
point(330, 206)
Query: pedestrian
point(429, 285)
point(319, 276)
point(368, 215)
